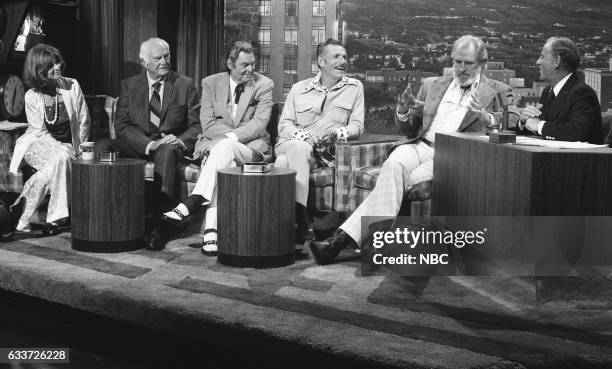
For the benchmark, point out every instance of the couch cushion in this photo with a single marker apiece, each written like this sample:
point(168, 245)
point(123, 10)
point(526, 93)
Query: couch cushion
point(323, 177)
point(365, 177)
point(188, 172)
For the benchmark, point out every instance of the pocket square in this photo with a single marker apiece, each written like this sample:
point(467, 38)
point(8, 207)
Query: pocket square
point(254, 102)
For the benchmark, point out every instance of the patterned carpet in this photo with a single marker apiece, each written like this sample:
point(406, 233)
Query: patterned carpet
point(383, 320)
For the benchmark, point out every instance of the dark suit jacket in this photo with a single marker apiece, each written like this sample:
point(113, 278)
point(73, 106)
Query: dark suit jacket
point(432, 91)
point(574, 115)
point(179, 113)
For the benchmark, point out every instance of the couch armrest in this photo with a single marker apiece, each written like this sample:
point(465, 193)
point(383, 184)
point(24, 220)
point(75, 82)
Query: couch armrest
point(369, 150)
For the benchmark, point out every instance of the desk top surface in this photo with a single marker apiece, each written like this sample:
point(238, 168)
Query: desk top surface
point(481, 137)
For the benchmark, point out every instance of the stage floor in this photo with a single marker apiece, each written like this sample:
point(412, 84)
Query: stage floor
point(381, 320)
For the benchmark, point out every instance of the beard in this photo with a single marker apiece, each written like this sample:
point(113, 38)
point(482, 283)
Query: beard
point(469, 80)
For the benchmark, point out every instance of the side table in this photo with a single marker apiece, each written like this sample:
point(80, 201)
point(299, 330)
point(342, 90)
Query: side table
point(256, 218)
point(108, 205)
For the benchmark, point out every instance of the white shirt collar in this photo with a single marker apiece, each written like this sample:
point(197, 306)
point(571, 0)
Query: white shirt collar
point(560, 84)
point(233, 85)
point(152, 81)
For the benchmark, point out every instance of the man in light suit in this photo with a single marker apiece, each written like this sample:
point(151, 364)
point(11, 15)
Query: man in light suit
point(318, 112)
point(157, 120)
point(568, 109)
point(235, 110)
point(465, 102)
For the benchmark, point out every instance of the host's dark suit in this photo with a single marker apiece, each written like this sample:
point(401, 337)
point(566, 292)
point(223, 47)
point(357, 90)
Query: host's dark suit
point(179, 117)
point(574, 115)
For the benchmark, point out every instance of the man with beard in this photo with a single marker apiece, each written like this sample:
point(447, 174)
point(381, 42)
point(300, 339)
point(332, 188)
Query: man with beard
point(235, 109)
point(318, 112)
point(464, 102)
point(568, 109)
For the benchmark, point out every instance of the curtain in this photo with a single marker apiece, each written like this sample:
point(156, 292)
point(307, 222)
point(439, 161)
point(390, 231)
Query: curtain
point(100, 46)
point(199, 38)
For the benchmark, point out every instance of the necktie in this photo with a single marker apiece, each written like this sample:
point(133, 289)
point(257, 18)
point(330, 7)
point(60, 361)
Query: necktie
point(237, 92)
point(155, 104)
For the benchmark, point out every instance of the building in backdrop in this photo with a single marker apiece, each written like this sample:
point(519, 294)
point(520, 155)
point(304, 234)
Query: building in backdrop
point(393, 79)
point(496, 71)
point(285, 34)
point(600, 79)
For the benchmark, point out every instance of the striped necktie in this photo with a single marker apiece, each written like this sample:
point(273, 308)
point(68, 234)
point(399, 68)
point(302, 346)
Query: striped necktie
point(155, 105)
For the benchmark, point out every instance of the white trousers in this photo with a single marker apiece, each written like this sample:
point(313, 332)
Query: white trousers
point(226, 153)
point(407, 166)
point(296, 154)
point(51, 159)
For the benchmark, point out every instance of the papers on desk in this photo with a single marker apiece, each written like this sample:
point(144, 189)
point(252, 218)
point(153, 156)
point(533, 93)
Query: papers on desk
point(5, 125)
point(532, 141)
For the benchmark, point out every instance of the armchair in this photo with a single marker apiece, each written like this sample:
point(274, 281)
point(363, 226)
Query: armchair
point(358, 165)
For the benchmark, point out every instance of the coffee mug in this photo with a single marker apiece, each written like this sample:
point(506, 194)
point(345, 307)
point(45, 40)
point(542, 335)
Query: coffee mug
point(87, 149)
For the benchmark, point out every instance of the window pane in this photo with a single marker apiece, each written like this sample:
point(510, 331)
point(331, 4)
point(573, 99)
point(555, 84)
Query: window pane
point(290, 65)
point(264, 8)
point(291, 8)
point(318, 34)
point(264, 36)
point(291, 36)
point(318, 8)
point(264, 65)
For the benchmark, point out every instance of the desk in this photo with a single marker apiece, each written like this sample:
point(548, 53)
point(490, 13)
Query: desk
point(475, 177)
point(107, 205)
point(256, 218)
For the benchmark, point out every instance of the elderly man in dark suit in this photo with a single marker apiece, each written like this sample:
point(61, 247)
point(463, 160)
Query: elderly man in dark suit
point(568, 109)
point(466, 102)
point(157, 120)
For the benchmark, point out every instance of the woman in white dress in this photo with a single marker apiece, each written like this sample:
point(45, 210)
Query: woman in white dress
point(58, 121)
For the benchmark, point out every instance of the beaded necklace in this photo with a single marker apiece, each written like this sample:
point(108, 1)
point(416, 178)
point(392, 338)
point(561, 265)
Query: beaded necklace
point(56, 110)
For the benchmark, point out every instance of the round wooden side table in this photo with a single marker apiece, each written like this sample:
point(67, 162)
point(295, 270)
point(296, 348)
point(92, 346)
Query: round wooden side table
point(107, 205)
point(256, 218)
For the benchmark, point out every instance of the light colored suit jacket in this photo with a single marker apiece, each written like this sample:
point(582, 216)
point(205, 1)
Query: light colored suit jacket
point(252, 113)
point(432, 91)
point(77, 112)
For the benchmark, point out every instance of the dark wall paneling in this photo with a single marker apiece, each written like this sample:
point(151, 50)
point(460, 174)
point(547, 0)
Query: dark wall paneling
point(14, 13)
point(100, 51)
point(139, 24)
point(199, 38)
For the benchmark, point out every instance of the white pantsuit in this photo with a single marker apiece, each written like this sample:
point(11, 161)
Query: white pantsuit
point(48, 156)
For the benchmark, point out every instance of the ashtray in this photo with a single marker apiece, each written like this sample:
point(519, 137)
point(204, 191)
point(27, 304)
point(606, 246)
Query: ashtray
point(109, 156)
point(256, 167)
